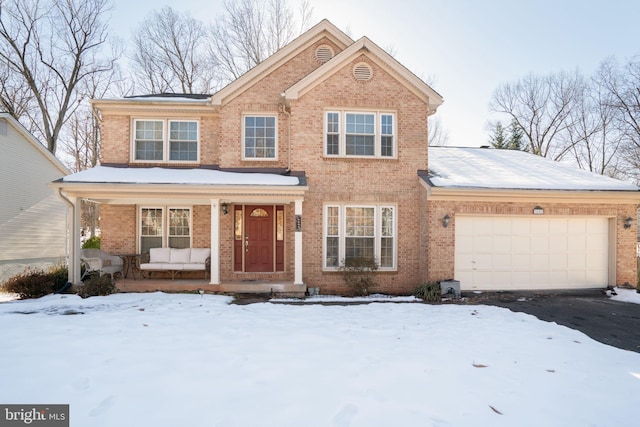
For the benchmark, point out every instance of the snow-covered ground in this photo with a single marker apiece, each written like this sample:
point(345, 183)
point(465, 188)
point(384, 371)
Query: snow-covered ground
point(189, 360)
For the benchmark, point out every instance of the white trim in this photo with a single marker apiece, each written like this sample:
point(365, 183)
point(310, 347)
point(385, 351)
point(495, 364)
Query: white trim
point(342, 207)
point(166, 146)
point(215, 242)
point(164, 237)
point(377, 133)
point(297, 269)
point(260, 159)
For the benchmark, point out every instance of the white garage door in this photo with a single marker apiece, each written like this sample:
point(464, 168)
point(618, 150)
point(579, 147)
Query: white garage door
point(500, 253)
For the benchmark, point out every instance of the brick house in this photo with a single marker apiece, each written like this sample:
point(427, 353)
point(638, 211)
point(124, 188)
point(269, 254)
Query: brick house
point(315, 156)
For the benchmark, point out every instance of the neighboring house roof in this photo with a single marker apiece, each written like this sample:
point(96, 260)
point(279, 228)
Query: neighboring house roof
point(34, 142)
point(323, 29)
point(156, 175)
point(483, 168)
point(366, 47)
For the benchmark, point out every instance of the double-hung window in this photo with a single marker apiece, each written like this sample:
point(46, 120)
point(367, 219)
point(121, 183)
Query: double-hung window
point(352, 232)
point(260, 140)
point(360, 134)
point(165, 140)
point(165, 227)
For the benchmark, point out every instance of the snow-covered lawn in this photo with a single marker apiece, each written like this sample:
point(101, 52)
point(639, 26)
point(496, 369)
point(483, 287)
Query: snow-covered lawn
point(190, 360)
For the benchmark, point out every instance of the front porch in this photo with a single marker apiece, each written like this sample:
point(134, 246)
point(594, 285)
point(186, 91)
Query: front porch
point(258, 286)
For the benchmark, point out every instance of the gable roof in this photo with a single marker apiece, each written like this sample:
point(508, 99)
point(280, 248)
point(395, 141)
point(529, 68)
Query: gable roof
point(323, 29)
point(483, 168)
point(34, 142)
point(366, 47)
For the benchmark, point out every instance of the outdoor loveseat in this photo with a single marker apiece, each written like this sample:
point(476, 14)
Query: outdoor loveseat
point(175, 260)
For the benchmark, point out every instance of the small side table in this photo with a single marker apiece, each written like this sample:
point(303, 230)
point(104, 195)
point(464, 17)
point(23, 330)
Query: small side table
point(130, 264)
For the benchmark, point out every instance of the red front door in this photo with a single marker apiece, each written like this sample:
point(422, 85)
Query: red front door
point(258, 237)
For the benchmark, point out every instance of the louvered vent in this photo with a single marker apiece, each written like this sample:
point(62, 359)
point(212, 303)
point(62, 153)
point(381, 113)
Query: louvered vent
point(362, 72)
point(324, 53)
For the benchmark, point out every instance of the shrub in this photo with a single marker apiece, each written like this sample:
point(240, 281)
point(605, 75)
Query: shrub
point(92, 243)
point(358, 274)
point(31, 284)
point(97, 285)
point(429, 291)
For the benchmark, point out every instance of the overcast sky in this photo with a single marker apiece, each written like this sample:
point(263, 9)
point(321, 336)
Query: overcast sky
point(466, 48)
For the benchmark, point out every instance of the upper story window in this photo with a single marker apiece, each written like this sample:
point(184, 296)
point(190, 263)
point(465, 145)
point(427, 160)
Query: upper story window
point(360, 134)
point(260, 137)
point(165, 140)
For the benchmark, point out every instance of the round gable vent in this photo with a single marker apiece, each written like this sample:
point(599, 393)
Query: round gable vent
point(362, 72)
point(324, 53)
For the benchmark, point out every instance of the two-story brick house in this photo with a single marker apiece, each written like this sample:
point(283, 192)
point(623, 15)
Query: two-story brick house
point(317, 155)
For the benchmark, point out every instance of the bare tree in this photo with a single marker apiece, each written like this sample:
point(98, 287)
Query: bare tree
point(594, 137)
point(541, 106)
point(437, 135)
point(50, 47)
point(623, 89)
point(249, 32)
point(171, 54)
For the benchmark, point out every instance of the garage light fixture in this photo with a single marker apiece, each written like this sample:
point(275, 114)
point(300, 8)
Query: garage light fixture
point(225, 210)
point(538, 211)
point(628, 222)
point(445, 221)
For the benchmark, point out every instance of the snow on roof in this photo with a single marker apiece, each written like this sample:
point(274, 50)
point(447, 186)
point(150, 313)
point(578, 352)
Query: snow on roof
point(111, 175)
point(511, 169)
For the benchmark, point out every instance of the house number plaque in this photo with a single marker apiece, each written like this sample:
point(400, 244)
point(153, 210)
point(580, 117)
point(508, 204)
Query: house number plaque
point(298, 222)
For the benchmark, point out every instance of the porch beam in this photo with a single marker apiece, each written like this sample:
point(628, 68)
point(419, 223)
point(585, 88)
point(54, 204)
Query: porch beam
point(215, 242)
point(297, 275)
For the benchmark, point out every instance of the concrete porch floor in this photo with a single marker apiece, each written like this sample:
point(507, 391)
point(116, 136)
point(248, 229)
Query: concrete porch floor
point(275, 287)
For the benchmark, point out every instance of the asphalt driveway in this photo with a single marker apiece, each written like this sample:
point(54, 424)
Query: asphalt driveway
point(591, 312)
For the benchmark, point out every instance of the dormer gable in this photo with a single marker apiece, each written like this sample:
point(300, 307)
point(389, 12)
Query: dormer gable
point(361, 71)
point(323, 30)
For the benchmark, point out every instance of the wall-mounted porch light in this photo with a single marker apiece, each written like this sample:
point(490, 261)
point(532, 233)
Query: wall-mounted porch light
point(628, 222)
point(225, 209)
point(445, 221)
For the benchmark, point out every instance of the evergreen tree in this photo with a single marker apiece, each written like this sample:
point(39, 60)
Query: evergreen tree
point(515, 138)
point(498, 139)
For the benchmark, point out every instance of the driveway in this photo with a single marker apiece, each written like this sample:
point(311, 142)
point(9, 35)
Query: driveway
point(591, 312)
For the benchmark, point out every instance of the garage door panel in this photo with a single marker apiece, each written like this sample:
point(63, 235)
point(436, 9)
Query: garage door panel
point(502, 244)
point(521, 244)
point(539, 262)
point(481, 243)
point(520, 262)
point(531, 252)
point(577, 243)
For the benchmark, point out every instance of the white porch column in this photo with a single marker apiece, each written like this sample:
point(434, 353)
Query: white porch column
point(74, 244)
point(215, 242)
point(297, 275)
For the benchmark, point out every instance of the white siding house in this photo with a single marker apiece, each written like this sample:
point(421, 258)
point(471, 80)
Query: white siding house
point(33, 219)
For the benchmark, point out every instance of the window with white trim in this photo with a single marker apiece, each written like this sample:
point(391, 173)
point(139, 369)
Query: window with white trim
point(165, 227)
point(260, 140)
point(360, 134)
point(164, 140)
point(353, 231)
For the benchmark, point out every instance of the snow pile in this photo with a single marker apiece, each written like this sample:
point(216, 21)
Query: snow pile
point(626, 295)
point(340, 299)
point(190, 360)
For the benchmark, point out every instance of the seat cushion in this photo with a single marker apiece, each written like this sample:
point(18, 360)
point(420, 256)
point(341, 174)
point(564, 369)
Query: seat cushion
point(180, 256)
point(195, 266)
point(199, 255)
point(173, 266)
point(159, 255)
